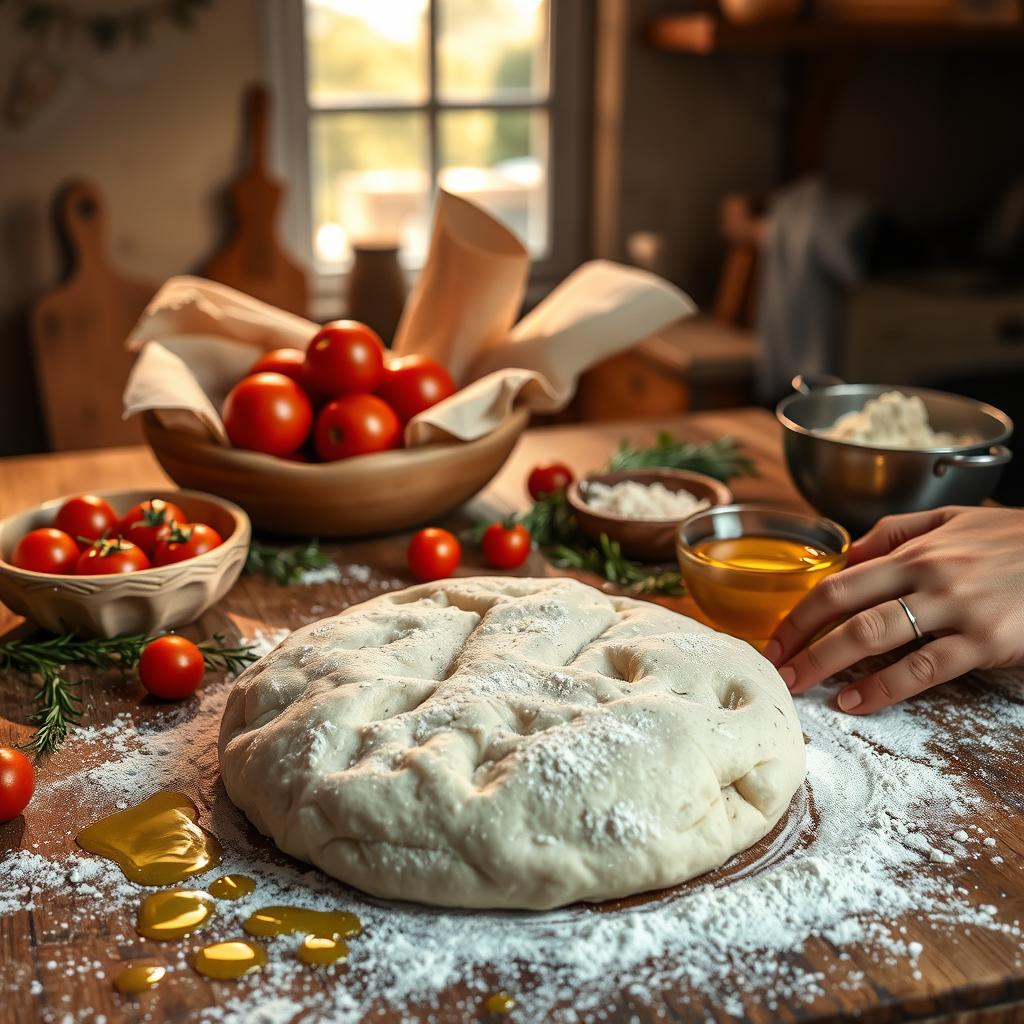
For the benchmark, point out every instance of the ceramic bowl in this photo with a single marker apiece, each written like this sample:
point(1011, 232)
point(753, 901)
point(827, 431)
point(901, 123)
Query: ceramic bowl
point(368, 494)
point(648, 540)
point(140, 602)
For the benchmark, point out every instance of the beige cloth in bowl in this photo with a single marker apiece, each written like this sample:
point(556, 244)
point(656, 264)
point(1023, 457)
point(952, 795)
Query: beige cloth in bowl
point(198, 338)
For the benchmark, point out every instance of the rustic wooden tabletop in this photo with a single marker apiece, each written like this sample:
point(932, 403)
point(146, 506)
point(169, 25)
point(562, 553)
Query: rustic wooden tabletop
point(979, 973)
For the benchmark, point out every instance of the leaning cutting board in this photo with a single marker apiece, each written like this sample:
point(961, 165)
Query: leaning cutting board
point(253, 259)
point(78, 332)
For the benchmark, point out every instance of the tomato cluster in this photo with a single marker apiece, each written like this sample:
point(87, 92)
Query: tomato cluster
point(343, 396)
point(88, 538)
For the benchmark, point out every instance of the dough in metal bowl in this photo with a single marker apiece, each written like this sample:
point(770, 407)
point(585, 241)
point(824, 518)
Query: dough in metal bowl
point(504, 742)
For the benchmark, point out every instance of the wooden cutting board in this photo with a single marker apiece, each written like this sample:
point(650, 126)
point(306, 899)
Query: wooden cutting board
point(79, 329)
point(253, 259)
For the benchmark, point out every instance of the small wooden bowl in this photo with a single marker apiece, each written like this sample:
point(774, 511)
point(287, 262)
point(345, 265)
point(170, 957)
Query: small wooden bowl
point(140, 602)
point(648, 540)
point(354, 497)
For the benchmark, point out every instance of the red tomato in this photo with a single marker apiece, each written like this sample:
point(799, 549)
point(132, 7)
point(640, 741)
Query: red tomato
point(186, 540)
point(356, 425)
point(17, 783)
point(149, 521)
point(289, 361)
point(171, 667)
point(547, 479)
point(109, 557)
point(505, 547)
point(46, 550)
point(414, 383)
point(86, 516)
point(268, 412)
point(433, 554)
point(345, 357)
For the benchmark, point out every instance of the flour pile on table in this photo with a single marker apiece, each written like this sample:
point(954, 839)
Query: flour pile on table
point(881, 799)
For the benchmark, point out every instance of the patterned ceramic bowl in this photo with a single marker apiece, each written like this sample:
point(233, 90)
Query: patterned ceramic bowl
point(138, 602)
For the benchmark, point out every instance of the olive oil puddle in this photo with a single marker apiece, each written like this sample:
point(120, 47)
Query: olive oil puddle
point(159, 842)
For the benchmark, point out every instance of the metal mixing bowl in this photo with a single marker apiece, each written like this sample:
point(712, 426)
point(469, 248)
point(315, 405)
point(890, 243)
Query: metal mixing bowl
point(857, 484)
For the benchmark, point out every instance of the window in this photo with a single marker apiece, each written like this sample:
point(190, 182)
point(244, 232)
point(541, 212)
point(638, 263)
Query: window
point(381, 101)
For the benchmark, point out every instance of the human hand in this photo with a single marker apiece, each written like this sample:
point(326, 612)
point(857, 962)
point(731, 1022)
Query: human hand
point(961, 573)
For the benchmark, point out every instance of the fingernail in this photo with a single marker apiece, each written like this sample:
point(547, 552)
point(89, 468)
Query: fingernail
point(773, 651)
point(788, 674)
point(849, 699)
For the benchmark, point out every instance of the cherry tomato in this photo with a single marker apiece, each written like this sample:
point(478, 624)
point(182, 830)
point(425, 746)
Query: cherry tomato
point(356, 425)
point(433, 554)
point(345, 357)
point(86, 516)
point(505, 547)
point(46, 550)
point(547, 479)
point(17, 783)
point(414, 383)
point(268, 412)
point(171, 667)
point(150, 521)
point(289, 361)
point(186, 540)
point(112, 556)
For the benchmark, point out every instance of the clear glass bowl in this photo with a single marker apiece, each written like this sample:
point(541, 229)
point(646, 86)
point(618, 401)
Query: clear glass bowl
point(749, 596)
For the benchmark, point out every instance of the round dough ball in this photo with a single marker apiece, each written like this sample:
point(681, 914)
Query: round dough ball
point(504, 742)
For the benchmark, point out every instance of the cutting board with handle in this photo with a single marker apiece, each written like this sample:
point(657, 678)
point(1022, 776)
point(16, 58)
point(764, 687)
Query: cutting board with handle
point(79, 330)
point(253, 259)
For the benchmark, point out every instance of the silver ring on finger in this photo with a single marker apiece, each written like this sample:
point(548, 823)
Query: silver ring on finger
point(912, 618)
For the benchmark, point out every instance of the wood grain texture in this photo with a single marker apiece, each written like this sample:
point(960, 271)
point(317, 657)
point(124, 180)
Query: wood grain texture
point(967, 977)
point(253, 259)
point(79, 330)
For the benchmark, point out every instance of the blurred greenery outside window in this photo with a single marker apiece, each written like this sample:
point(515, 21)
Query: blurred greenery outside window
point(393, 98)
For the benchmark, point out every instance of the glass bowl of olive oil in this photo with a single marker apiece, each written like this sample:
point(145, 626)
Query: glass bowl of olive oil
point(747, 566)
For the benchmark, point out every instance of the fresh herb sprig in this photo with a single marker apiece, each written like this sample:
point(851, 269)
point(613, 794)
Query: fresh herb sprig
point(285, 565)
point(58, 699)
point(721, 459)
point(554, 528)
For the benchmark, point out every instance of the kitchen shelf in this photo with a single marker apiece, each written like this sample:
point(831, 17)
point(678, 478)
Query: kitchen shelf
point(707, 34)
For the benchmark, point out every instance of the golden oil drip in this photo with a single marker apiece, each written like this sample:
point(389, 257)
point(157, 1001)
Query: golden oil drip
point(172, 913)
point(156, 842)
point(139, 978)
point(228, 960)
point(320, 951)
point(325, 924)
point(231, 887)
point(500, 1003)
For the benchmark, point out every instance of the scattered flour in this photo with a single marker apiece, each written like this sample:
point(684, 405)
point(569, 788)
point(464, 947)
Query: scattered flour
point(882, 798)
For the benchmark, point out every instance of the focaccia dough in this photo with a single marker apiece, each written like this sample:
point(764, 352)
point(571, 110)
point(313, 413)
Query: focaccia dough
point(503, 742)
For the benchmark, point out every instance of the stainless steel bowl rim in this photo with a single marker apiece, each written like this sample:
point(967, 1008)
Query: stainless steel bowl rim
point(873, 390)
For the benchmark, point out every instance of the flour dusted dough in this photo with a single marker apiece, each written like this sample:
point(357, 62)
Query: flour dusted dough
point(502, 742)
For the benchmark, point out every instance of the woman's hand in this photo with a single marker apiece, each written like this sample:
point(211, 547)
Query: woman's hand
point(961, 573)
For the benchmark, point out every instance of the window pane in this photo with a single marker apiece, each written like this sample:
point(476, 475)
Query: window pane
point(498, 158)
point(362, 52)
point(489, 49)
point(371, 181)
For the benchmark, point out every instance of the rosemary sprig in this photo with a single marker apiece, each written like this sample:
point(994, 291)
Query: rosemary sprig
point(58, 700)
point(285, 565)
point(721, 459)
point(606, 559)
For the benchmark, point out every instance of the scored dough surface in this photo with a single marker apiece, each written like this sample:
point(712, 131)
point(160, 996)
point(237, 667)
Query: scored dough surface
point(508, 742)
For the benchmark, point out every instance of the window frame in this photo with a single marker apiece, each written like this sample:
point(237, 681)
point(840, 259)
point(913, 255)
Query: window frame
point(568, 105)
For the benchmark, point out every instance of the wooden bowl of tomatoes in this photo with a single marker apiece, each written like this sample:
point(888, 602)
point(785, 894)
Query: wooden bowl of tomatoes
point(121, 562)
point(317, 441)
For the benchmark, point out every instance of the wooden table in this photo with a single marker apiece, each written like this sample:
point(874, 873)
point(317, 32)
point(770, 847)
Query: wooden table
point(974, 974)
